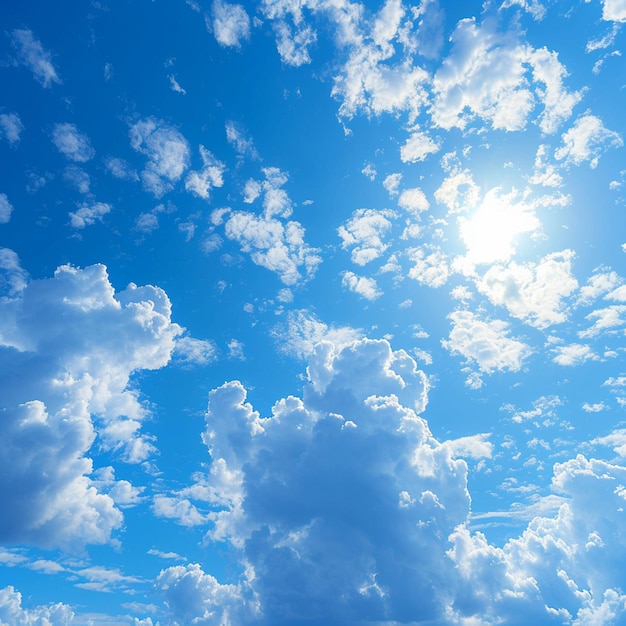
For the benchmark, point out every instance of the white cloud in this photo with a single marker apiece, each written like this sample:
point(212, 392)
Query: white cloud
point(614, 10)
point(11, 127)
point(573, 354)
point(546, 172)
point(429, 269)
point(167, 152)
point(303, 331)
point(12, 612)
point(353, 535)
point(87, 215)
point(595, 407)
point(120, 169)
point(391, 184)
point(362, 285)
point(486, 76)
point(6, 208)
point(193, 597)
point(191, 351)
point(487, 343)
point(276, 246)
point(417, 147)
point(599, 284)
point(146, 222)
point(605, 320)
point(533, 292)
point(175, 86)
point(231, 24)
point(534, 7)
point(413, 200)
point(458, 192)
point(70, 345)
point(32, 55)
point(13, 279)
point(73, 144)
point(78, 178)
point(471, 447)
point(199, 182)
point(586, 140)
point(372, 80)
point(294, 36)
point(237, 138)
point(364, 233)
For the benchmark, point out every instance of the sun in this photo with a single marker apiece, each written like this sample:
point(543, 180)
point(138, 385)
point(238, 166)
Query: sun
point(491, 233)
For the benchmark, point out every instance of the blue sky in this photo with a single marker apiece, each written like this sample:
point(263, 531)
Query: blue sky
point(312, 312)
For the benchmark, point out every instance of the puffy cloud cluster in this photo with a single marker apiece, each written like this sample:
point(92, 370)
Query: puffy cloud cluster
point(68, 346)
point(231, 24)
point(167, 152)
point(200, 182)
point(12, 612)
point(272, 242)
point(533, 292)
point(6, 208)
point(343, 509)
point(486, 343)
point(485, 76)
point(364, 233)
point(586, 140)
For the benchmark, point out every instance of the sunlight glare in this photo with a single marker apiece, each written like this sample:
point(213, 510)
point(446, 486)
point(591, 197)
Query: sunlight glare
point(490, 233)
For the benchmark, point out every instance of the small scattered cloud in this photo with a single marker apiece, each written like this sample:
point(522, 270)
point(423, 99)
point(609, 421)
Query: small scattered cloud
point(361, 285)
point(167, 152)
point(11, 128)
point(32, 55)
point(73, 144)
point(231, 24)
point(89, 214)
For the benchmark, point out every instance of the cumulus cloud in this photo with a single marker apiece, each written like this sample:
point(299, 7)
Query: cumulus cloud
point(378, 77)
point(294, 37)
point(417, 147)
point(614, 10)
point(413, 201)
point(88, 215)
point(167, 152)
point(458, 192)
point(69, 345)
point(586, 140)
point(429, 267)
point(323, 537)
point(486, 76)
point(6, 208)
point(11, 127)
point(486, 343)
point(302, 331)
point(73, 144)
point(12, 612)
point(573, 354)
point(273, 243)
point(364, 233)
point(231, 24)
point(32, 55)
point(352, 538)
point(362, 285)
point(200, 182)
point(533, 292)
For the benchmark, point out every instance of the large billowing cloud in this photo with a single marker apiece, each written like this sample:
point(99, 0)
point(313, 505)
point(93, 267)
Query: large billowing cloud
point(68, 346)
point(344, 509)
